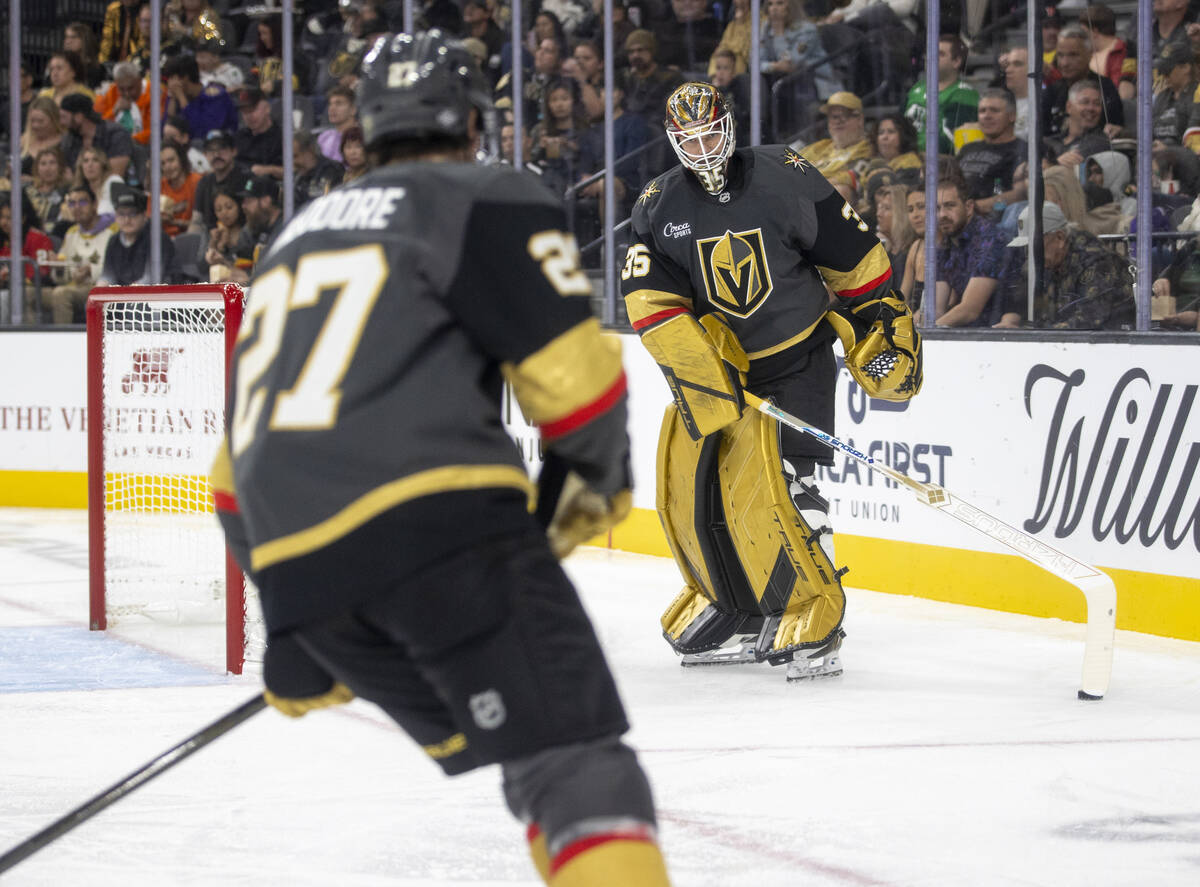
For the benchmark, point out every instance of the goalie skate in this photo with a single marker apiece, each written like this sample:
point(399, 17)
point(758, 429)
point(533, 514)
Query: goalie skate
point(738, 650)
point(823, 662)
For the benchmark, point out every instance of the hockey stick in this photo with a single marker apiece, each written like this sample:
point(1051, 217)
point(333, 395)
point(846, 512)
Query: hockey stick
point(132, 782)
point(1098, 588)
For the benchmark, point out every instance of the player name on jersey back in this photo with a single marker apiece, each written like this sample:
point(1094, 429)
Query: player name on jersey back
point(344, 210)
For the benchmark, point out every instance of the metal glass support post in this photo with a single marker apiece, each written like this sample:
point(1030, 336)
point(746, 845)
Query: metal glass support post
point(755, 75)
point(1145, 208)
point(517, 81)
point(1035, 250)
point(16, 269)
point(154, 73)
point(288, 100)
point(609, 307)
point(933, 132)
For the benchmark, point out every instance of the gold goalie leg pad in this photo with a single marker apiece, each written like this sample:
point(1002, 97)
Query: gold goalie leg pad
point(608, 861)
point(716, 605)
point(796, 584)
point(704, 634)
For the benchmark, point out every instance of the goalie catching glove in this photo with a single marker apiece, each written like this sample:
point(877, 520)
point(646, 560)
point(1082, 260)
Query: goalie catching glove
point(296, 683)
point(882, 347)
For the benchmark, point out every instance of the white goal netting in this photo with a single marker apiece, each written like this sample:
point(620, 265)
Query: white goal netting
point(162, 383)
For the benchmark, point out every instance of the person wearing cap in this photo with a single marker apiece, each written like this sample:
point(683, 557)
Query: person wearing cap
point(847, 147)
point(957, 100)
point(87, 129)
point(259, 142)
point(1073, 59)
point(227, 174)
point(969, 267)
point(646, 84)
point(127, 256)
point(204, 107)
point(1175, 104)
point(264, 216)
point(1086, 285)
point(213, 70)
point(988, 164)
point(83, 248)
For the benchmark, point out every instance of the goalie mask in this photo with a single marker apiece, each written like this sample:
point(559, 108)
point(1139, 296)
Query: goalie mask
point(700, 127)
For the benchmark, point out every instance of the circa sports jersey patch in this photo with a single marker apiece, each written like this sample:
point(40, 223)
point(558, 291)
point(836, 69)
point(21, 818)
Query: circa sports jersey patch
point(735, 270)
point(683, 229)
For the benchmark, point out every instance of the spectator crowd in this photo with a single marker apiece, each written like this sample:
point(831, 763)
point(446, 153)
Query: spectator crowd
point(843, 85)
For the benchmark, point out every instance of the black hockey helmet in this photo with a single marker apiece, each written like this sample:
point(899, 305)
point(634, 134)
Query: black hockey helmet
point(420, 86)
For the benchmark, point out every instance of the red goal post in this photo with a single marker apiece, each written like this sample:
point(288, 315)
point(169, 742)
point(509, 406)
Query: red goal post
point(157, 364)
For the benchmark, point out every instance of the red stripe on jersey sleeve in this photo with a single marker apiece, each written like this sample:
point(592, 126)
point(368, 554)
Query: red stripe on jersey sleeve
point(585, 844)
point(658, 317)
point(226, 502)
point(586, 413)
point(866, 287)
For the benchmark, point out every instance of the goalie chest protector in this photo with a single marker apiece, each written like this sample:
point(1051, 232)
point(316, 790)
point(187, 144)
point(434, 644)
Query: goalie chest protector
point(757, 252)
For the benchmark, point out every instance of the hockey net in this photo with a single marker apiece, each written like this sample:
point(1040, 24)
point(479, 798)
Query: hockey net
point(157, 366)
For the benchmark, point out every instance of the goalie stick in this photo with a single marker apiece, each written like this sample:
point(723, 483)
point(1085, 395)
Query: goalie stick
point(132, 782)
point(1098, 589)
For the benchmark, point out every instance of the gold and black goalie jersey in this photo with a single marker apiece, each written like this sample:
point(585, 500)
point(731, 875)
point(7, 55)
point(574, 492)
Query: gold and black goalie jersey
point(377, 334)
point(760, 252)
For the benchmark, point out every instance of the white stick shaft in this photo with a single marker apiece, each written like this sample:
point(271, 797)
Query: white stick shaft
point(1098, 589)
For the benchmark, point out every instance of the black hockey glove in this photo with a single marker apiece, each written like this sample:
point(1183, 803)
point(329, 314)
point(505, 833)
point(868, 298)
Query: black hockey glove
point(296, 683)
point(572, 511)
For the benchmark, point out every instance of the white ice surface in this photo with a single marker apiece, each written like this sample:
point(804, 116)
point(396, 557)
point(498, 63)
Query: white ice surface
point(952, 752)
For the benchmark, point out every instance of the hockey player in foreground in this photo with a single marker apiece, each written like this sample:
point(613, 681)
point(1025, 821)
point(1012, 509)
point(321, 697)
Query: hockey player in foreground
point(369, 486)
point(745, 266)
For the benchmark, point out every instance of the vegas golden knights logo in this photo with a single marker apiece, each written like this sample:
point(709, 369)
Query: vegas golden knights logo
point(736, 275)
